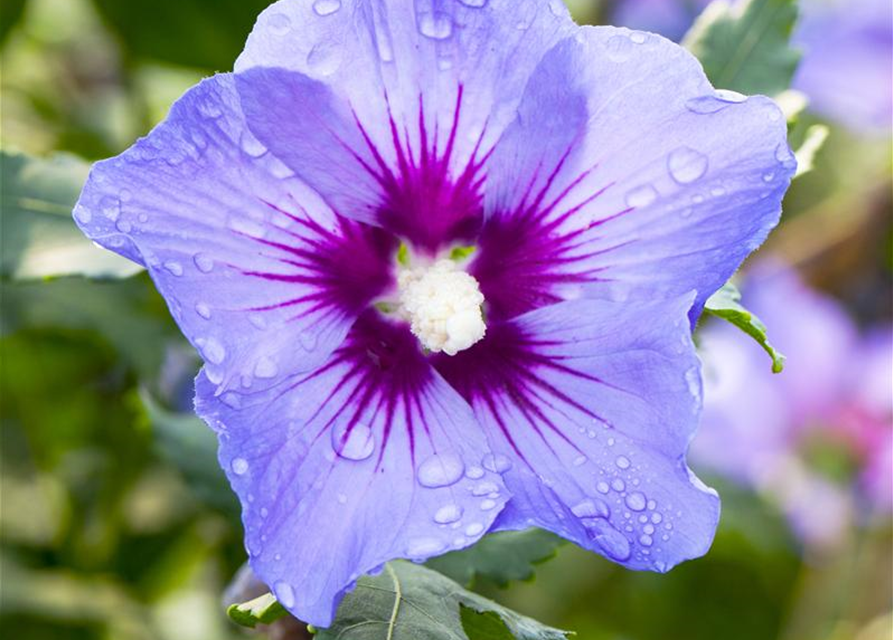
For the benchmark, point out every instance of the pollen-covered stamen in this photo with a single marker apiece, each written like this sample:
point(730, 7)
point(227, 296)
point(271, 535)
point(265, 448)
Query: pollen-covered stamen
point(443, 306)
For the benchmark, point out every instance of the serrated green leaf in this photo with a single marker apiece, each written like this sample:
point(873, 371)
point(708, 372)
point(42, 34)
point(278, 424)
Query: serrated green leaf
point(39, 236)
point(263, 610)
point(745, 46)
point(501, 557)
point(483, 625)
point(411, 602)
point(726, 304)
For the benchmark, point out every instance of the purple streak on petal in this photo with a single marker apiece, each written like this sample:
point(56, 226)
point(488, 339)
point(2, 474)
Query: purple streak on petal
point(595, 402)
point(662, 184)
point(207, 209)
point(355, 464)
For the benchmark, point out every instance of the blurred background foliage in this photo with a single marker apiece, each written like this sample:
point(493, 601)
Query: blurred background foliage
point(117, 523)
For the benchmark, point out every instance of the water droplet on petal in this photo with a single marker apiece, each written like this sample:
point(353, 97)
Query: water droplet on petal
point(636, 501)
point(202, 309)
point(645, 540)
point(326, 7)
point(484, 488)
point(252, 146)
point(441, 470)
point(279, 24)
point(641, 196)
point(123, 226)
point(111, 208)
point(265, 368)
point(474, 529)
point(342, 498)
point(591, 509)
point(353, 441)
point(203, 262)
point(474, 4)
point(423, 547)
point(693, 380)
point(612, 542)
point(239, 466)
point(496, 462)
point(325, 58)
point(448, 514)
point(619, 48)
point(602, 487)
point(474, 472)
point(486, 505)
point(82, 214)
point(618, 485)
point(437, 26)
point(686, 165)
point(284, 594)
point(622, 462)
point(784, 155)
point(638, 37)
point(213, 351)
point(579, 461)
point(732, 97)
point(174, 268)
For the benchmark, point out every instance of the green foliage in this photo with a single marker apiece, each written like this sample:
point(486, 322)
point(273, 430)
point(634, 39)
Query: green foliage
point(410, 602)
point(40, 238)
point(10, 14)
point(501, 557)
point(813, 141)
point(188, 32)
point(262, 610)
point(726, 304)
point(483, 625)
point(745, 46)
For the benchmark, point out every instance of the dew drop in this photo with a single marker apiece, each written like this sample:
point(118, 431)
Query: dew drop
point(474, 529)
point(213, 351)
point(686, 165)
point(82, 214)
point(284, 594)
point(693, 380)
point(486, 505)
point(641, 196)
point(353, 441)
point(325, 59)
point(203, 262)
point(448, 514)
point(579, 461)
point(638, 37)
point(618, 485)
point(202, 309)
point(436, 26)
point(784, 155)
point(441, 470)
point(326, 7)
point(424, 547)
point(474, 472)
point(239, 466)
point(279, 23)
point(123, 226)
point(622, 462)
point(265, 368)
point(602, 487)
point(232, 400)
point(342, 498)
point(645, 540)
point(648, 528)
point(307, 340)
point(619, 48)
point(636, 501)
point(611, 541)
point(474, 4)
point(656, 518)
point(652, 505)
point(731, 97)
point(143, 217)
point(257, 321)
point(591, 509)
point(484, 488)
point(496, 462)
point(111, 208)
point(174, 268)
point(768, 177)
point(252, 146)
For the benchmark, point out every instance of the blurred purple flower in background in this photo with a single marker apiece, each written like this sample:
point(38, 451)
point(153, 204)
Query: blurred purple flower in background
point(775, 432)
point(847, 64)
point(377, 394)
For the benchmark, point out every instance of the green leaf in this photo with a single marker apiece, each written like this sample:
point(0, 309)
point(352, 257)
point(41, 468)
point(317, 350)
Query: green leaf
point(725, 304)
point(40, 238)
point(10, 16)
point(187, 442)
point(263, 610)
point(745, 46)
point(193, 33)
point(410, 602)
point(501, 557)
point(815, 138)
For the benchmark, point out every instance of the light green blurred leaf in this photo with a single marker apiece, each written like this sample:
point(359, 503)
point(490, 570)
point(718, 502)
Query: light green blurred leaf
point(263, 610)
point(483, 625)
point(10, 16)
point(726, 304)
point(501, 557)
point(39, 236)
point(745, 46)
point(814, 140)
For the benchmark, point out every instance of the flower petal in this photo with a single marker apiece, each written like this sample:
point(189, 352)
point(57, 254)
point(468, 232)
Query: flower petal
point(258, 273)
point(644, 180)
point(398, 101)
point(590, 406)
point(370, 458)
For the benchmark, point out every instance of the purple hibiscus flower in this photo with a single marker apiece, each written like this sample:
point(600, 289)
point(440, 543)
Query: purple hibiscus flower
point(760, 428)
point(377, 396)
